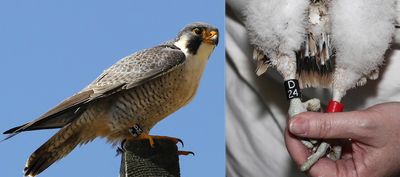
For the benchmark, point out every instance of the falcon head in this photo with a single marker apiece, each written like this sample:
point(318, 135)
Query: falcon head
point(197, 38)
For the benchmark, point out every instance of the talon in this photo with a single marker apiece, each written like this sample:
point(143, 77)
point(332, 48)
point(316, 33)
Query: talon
point(180, 141)
point(121, 150)
point(123, 144)
point(335, 154)
point(185, 153)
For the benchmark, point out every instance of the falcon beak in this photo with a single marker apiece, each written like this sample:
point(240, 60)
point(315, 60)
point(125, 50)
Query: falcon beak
point(210, 37)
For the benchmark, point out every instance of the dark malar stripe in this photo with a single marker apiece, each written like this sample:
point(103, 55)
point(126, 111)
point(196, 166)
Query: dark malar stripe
point(193, 45)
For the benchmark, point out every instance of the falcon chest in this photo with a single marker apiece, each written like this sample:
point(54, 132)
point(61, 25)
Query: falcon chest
point(151, 102)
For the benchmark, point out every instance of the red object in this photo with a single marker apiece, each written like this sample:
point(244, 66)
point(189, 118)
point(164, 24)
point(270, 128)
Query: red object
point(334, 106)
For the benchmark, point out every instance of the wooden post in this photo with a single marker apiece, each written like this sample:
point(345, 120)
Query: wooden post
point(140, 159)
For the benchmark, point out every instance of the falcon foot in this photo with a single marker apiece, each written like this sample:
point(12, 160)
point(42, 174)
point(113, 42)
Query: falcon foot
point(185, 153)
point(319, 148)
point(152, 137)
point(137, 132)
point(175, 140)
point(332, 152)
point(310, 105)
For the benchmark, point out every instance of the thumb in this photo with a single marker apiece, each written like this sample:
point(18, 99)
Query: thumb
point(356, 125)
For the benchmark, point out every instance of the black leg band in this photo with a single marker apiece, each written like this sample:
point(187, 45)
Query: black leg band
point(136, 130)
point(292, 88)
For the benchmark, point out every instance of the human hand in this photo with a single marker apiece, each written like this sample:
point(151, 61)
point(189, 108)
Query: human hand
point(373, 150)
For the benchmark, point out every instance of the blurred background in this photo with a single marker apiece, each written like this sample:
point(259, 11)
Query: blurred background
point(50, 50)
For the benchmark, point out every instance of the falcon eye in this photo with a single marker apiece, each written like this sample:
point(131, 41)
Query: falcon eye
point(196, 31)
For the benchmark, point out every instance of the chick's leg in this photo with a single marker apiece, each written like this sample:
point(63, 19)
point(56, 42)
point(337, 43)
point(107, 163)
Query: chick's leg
point(296, 107)
point(287, 67)
point(336, 150)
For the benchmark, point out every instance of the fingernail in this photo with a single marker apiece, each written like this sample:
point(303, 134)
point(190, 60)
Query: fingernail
point(298, 126)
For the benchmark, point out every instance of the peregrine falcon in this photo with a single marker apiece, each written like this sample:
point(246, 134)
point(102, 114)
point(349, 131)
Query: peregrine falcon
point(137, 91)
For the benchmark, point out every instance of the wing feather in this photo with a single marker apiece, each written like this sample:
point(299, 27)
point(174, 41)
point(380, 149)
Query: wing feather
point(127, 73)
point(139, 68)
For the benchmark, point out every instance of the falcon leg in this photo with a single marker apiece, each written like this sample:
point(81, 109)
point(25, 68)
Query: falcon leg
point(336, 151)
point(296, 106)
point(138, 133)
point(319, 149)
point(311, 105)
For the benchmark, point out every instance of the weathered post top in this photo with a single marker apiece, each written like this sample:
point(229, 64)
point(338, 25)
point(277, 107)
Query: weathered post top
point(140, 159)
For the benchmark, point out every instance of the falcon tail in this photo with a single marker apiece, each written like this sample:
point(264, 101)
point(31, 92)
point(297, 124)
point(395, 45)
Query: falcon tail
point(58, 146)
point(58, 117)
point(52, 122)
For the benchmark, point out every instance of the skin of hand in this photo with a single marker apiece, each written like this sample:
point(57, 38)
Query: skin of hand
point(370, 140)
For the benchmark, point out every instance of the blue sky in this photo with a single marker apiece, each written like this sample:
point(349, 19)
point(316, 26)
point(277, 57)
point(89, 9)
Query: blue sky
point(51, 49)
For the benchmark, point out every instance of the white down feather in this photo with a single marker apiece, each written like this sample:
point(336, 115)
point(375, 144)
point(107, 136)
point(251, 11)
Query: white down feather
point(362, 31)
point(276, 26)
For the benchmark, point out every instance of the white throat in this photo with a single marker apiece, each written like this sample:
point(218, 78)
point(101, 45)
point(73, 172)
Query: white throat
point(203, 52)
point(195, 64)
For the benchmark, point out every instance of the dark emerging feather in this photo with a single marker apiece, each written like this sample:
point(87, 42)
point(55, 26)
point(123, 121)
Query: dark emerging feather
point(315, 61)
